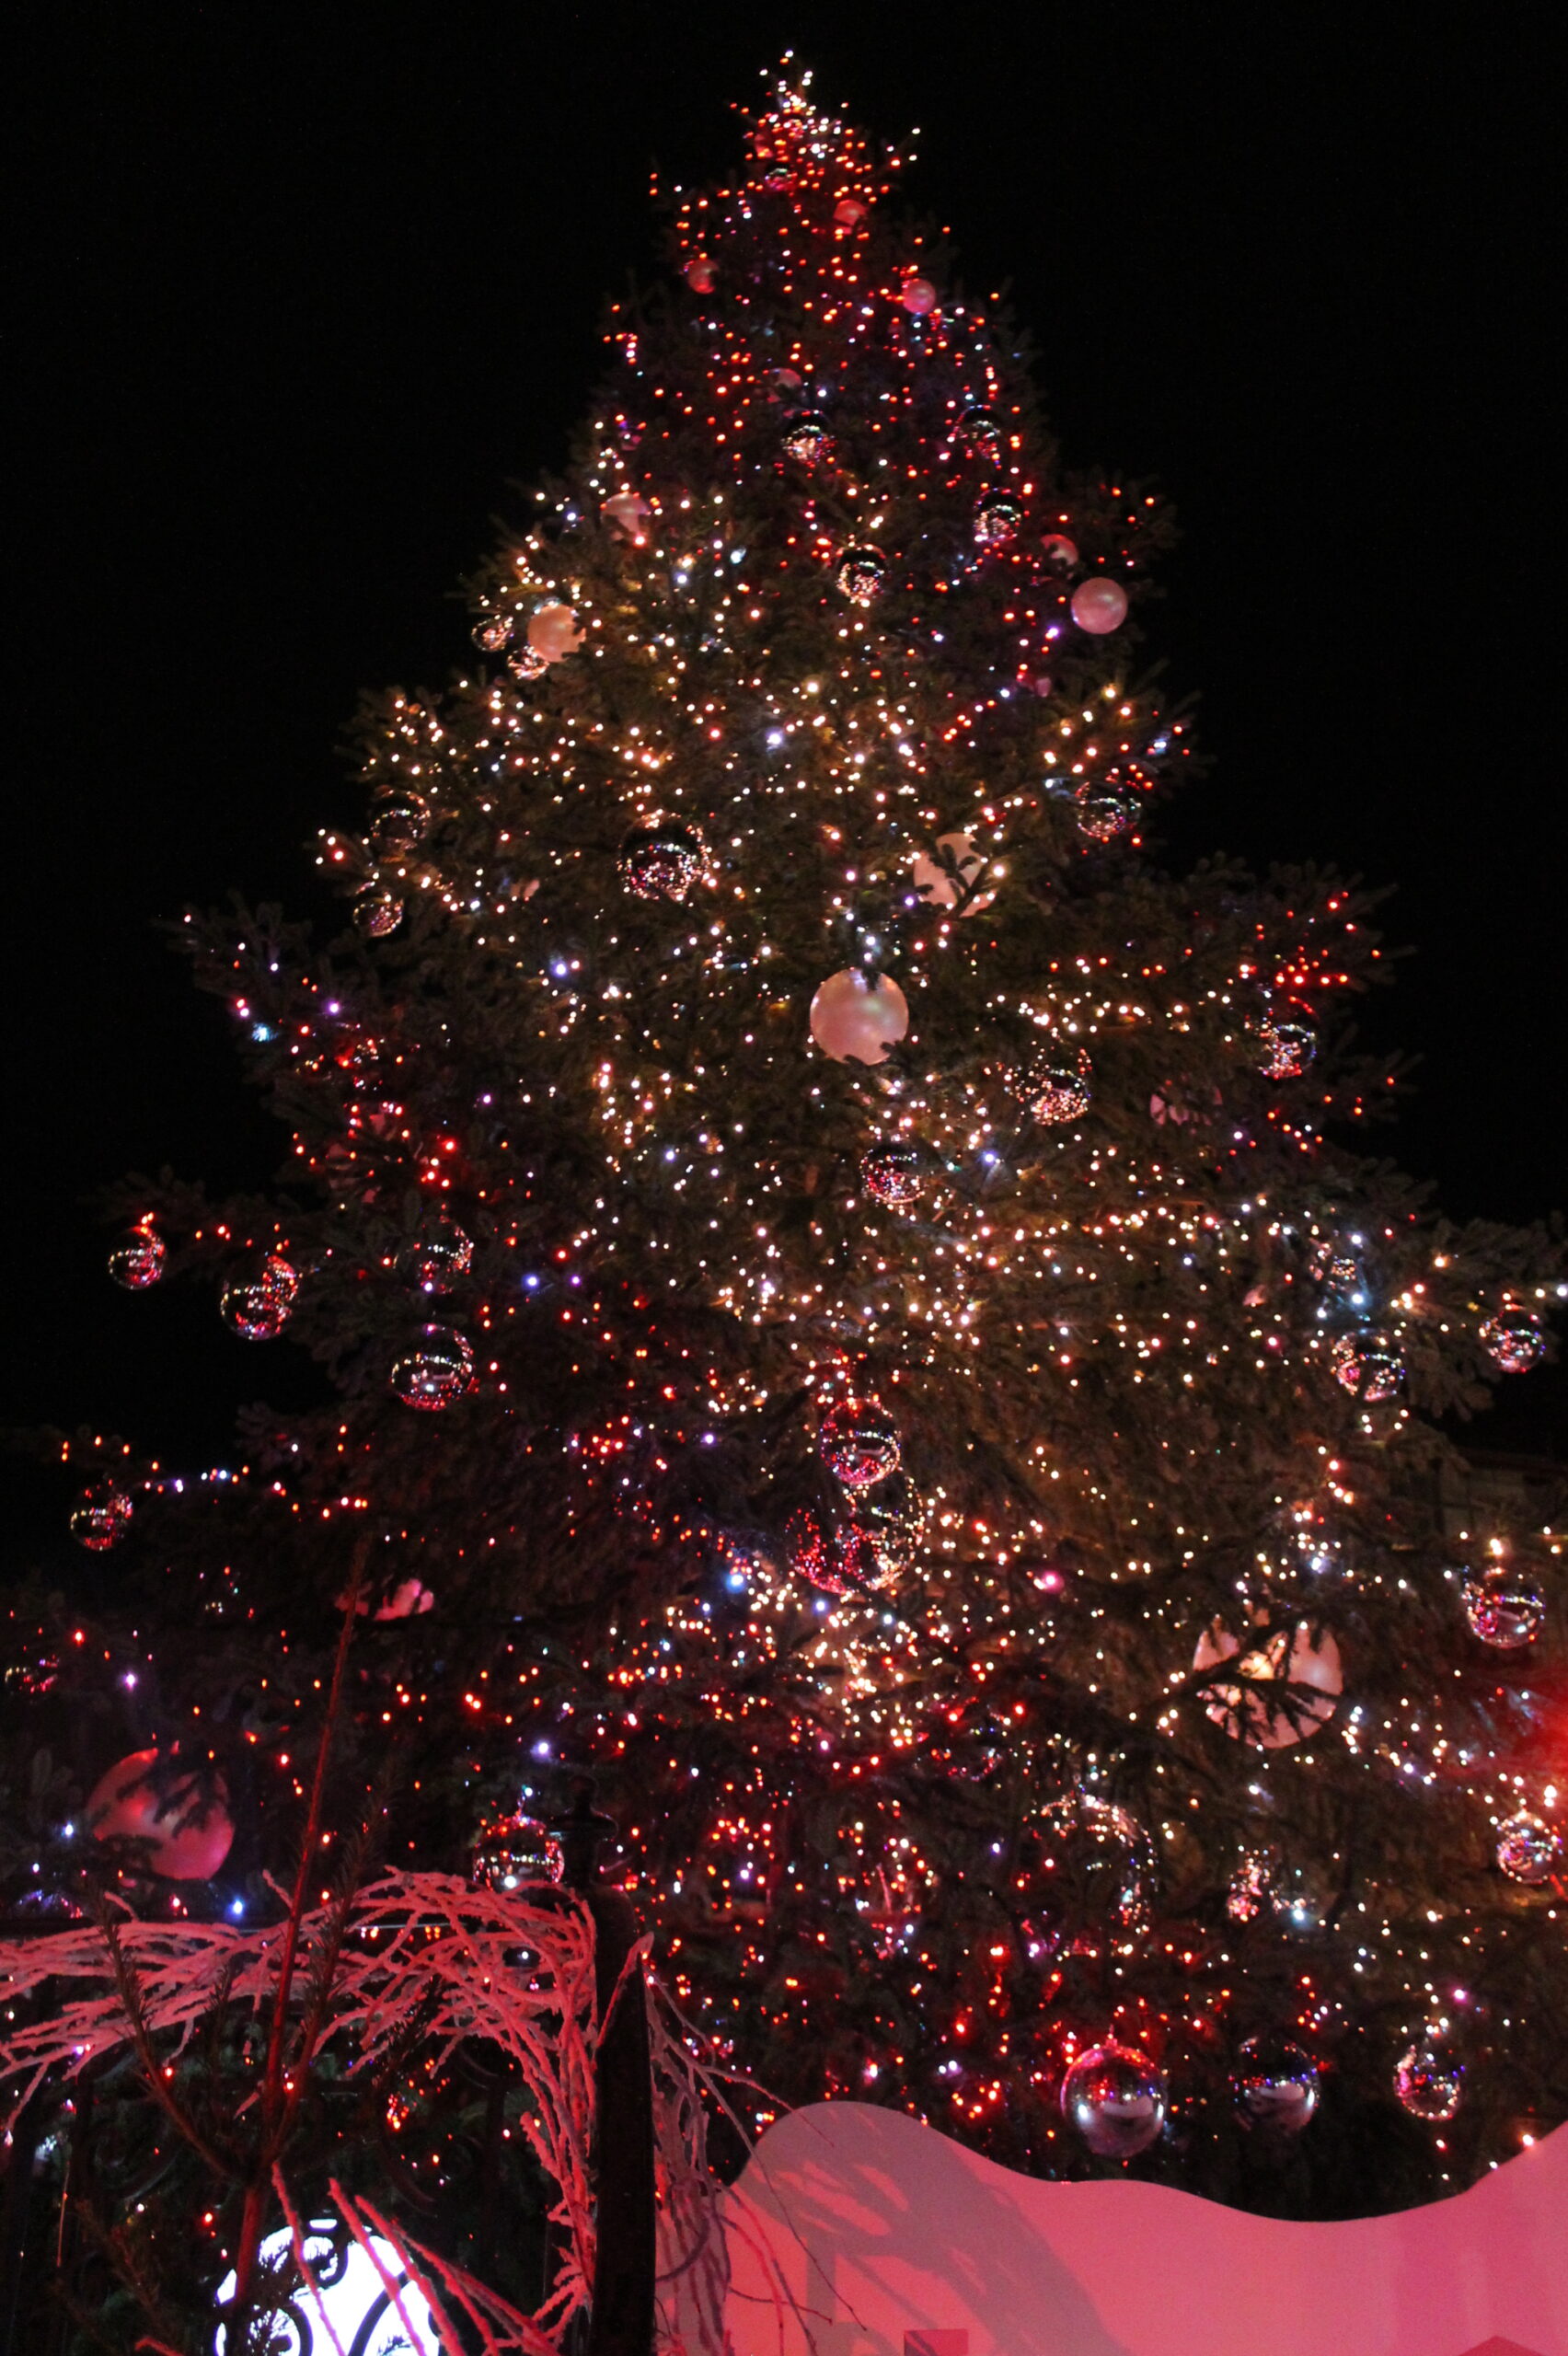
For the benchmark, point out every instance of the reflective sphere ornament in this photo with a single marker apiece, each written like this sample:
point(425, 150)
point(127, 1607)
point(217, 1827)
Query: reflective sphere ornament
point(892, 1174)
point(1059, 552)
point(437, 1373)
point(860, 1016)
point(883, 1537)
point(700, 274)
point(1276, 2084)
point(1429, 2082)
point(377, 911)
point(919, 297)
point(858, 1441)
point(997, 519)
point(259, 1307)
point(493, 631)
point(398, 825)
point(1514, 1340)
point(1099, 605)
point(1285, 1047)
point(1292, 1683)
point(440, 1257)
point(1369, 1363)
point(554, 633)
point(663, 859)
point(137, 1261)
point(813, 1554)
point(100, 1517)
point(1529, 1849)
point(521, 1852)
point(939, 889)
point(1102, 817)
point(860, 575)
point(1506, 1608)
point(186, 1821)
point(1055, 1085)
point(806, 440)
point(1116, 2100)
point(978, 433)
point(849, 211)
point(1251, 1886)
point(525, 663)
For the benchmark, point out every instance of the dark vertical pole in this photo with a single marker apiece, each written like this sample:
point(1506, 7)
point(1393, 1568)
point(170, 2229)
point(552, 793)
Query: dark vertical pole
point(622, 2321)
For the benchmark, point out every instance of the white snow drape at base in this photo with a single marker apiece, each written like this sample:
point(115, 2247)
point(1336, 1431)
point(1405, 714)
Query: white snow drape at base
point(857, 2231)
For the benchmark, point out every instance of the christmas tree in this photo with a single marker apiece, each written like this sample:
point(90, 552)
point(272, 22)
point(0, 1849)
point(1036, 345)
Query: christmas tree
point(860, 1318)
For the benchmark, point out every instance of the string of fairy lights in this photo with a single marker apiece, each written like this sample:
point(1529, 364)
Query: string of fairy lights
point(797, 963)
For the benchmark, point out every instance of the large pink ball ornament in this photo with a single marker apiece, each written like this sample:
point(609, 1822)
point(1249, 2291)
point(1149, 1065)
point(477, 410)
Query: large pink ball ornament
point(554, 633)
point(939, 889)
point(189, 1826)
point(1099, 606)
point(1290, 1658)
point(854, 1016)
point(919, 297)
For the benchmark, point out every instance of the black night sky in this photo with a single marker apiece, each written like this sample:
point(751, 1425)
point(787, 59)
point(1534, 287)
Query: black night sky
point(301, 289)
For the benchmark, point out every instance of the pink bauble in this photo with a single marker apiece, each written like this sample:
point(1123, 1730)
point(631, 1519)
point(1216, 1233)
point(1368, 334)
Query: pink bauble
point(919, 297)
point(553, 632)
point(938, 888)
point(1290, 1656)
point(1099, 606)
point(124, 1806)
point(848, 211)
point(1059, 552)
point(700, 274)
point(854, 1016)
point(626, 513)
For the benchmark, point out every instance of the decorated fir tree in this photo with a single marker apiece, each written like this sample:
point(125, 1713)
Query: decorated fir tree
point(859, 1313)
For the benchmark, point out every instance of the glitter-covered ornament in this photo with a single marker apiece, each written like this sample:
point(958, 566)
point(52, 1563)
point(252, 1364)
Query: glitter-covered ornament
point(137, 1260)
point(1103, 815)
point(893, 1173)
point(627, 513)
point(1369, 1363)
point(440, 1257)
point(663, 859)
point(1506, 1608)
point(1286, 1046)
point(978, 433)
point(258, 1308)
point(1099, 605)
point(806, 440)
point(1529, 1849)
point(554, 632)
point(858, 1441)
point(493, 631)
point(997, 519)
point(437, 1373)
point(1059, 552)
point(1054, 1084)
point(1289, 1683)
point(939, 889)
point(377, 911)
point(1274, 2084)
point(100, 1517)
point(860, 1016)
point(1116, 2100)
point(1429, 2082)
point(186, 1822)
point(1514, 1340)
point(860, 575)
point(919, 297)
point(519, 1854)
point(398, 824)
